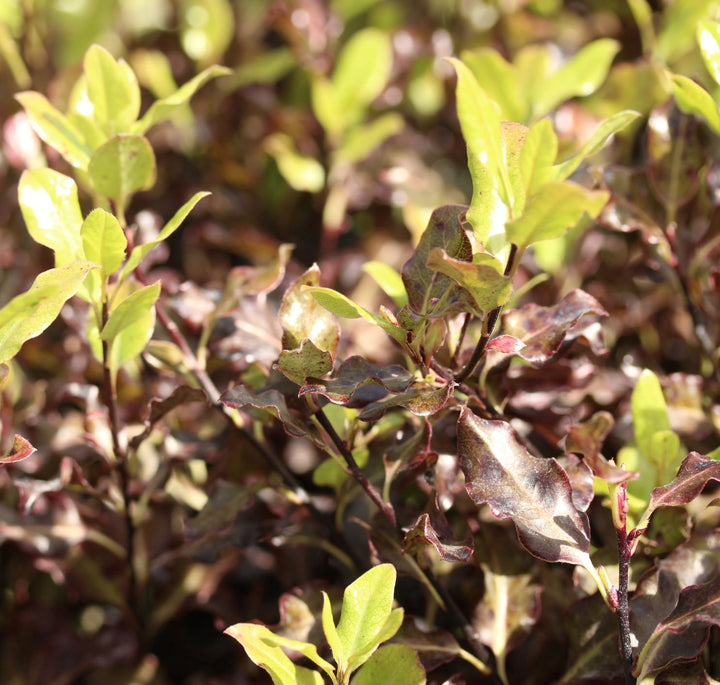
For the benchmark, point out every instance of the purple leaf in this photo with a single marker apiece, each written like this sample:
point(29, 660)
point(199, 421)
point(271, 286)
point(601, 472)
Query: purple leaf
point(20, 450)
point(534, 492)
point(433, 529)
point(545, 329)
point(357, 382)
point(270, 400)
point(506, 344)
point(420, 399)
point(431, 293)
point(306, 361)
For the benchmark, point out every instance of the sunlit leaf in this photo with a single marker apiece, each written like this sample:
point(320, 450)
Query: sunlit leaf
point(103, 240)
point(361, 141)
point(112, 89)
point(388, 279)
point(395, 664)
point(538, 155)
point(302, 173)
point(708, 38)
point(132, 309)
point(305, 362)
point(21, 449)
point(122, 166)
point(263, 649)
point(50, 207)
point(649, 410)
point(56, 129)
point(30, 313)
point(421, 399)
point(692, 98)
point(534, 492)
point(206, 28)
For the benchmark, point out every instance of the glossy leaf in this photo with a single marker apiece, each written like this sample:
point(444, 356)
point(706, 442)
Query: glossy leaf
point(301, 317)
point(165, 108)
point(487, 288)
point(708, 38)
point(579, 76)
point(21, 449)
point(30, 313)
point(103, 240)
point(113, 91)
point(433, 529)
point(395, 664)
point(431, 293)
point(357, 382)
point(694, 99)
point(613, 124)
point(50, 207)
point(56, 129)
point(263, 649)
point(122, 166)
point(692, 476)
point(132, 309)
point(545, 329)
point(554, 210)
point(534, 492)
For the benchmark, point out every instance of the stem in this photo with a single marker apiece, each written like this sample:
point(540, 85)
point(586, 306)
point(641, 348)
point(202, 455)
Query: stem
point(385, 507)
point(623, 607)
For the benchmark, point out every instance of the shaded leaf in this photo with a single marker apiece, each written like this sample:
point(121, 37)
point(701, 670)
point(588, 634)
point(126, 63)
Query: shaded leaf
point(535, 493)
point(50, 207)
point(21, 449)
point(361, 141)
point(433, 529)
point(305, 362)
point(413, 451)
point(357, 382)
point(420, 399)
point(30, 313)
point(395, 664)
point(56, 129)
point(545, 329)
point(434, 647)
point(221, 510)
point(431, 293)
point(122, 166)
point(256, 280)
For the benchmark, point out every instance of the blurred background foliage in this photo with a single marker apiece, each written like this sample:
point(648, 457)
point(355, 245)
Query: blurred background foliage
point(336, 132)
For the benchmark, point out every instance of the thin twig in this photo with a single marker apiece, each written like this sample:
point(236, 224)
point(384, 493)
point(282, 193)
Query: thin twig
point(623, 608)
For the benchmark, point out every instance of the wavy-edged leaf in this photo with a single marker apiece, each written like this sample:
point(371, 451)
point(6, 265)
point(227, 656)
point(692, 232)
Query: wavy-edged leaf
point(305, 362)
point(433, 529)
point(122, 166)
point(56, 129)
point(263, 648)
point(357, 382)
point(112, 90)
point(165, 108)
point(395, 664)
point(49, 204)
point(21, 449)
point(431, 293)
point(545, 329)
point(30, 313)
point(553, 211)
point(692, 98)
point(139, 252)
point(487, 288)
point(535, 493)
point(606, 128)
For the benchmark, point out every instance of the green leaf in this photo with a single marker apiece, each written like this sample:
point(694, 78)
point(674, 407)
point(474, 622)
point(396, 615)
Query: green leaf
point(649, 411)
point(305, 362)
point(608, 127)
point(30, 313)
point(553, 210)
point(164, 109)
point(139, 252)
point(361, 141)
point(263, 649)
point(362, 71)
point(708, 38)
point(343, 306)
point(538, 156)
point(396, 664)
point(50, 207)
point(56, 129)
point(302, 173)
point(122, 166)
point(579, 76)
point(103, 240)
point(207, 28)
point(328, 623)
point(130, 311)
point(327, 108)
point(113, 91)
point(487, 288)
point(692, 98)
point(389, 280)
point(480, 123)
point(367, 618)
point(665, 454)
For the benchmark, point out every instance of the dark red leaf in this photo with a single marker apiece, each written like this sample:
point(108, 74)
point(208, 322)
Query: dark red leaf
point(433, 529)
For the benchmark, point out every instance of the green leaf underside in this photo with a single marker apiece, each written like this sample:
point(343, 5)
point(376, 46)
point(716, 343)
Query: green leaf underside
point(30, 313)
point(535, 493)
